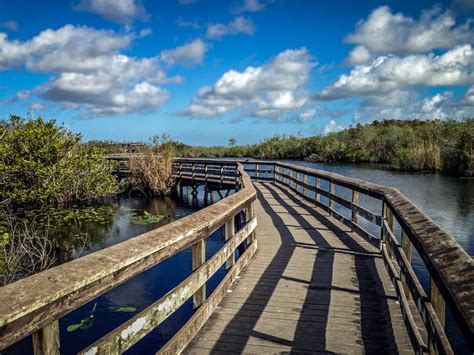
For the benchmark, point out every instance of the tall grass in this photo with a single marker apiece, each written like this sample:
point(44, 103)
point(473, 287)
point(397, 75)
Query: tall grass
point(151, 173)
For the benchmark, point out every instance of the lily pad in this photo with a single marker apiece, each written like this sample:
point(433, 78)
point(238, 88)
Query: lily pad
point(127, 309)
point(73, 327)
point(147, 218)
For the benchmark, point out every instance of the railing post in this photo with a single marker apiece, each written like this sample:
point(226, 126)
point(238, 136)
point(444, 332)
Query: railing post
point(318, 186)
point(332, 189)
point(256, 171)
point(205, 173)
point(406, 247)
point(250, 213)
point(388, 216)
point(229, 233)
point(305, 181)
point(440, 309)
point(46, 340)
point(199, 258)
point(355, 203)
point(275, 173)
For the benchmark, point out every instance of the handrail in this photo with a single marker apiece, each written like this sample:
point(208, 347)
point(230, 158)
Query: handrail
point(451, 269)
point(33, 305)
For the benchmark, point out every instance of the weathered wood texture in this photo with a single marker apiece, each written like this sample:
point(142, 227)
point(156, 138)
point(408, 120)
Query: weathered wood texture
point(28, 305)
point(314, 285)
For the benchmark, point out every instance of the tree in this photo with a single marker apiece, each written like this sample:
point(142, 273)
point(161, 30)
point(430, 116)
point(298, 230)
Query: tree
point(232, 141)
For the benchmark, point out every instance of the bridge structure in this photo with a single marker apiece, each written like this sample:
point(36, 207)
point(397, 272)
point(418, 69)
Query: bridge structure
point(315, 262)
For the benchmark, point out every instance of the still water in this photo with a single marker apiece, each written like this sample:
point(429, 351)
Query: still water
point(449, 201)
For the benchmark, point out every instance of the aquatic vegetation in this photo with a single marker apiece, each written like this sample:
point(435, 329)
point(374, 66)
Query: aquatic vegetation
point(88, 321)
point(147, 218)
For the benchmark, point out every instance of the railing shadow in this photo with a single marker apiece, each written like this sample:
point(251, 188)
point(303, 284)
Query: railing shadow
point(311, 331)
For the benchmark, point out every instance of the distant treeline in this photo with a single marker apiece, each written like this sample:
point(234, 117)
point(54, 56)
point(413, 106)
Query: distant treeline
point(412, 145)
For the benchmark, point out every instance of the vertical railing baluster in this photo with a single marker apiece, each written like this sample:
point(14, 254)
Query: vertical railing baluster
point(250, 213)
point(332, 188)
point(46, 340)
point(355, 204)
point(305, 181)
point(199, 258)
point(256, 171)
point(318, 186)
point(388, 216)
point(229, 233)
point(439, 306)
point(407, 250)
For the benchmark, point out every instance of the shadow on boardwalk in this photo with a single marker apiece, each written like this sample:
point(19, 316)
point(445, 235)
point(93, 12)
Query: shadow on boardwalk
point(314, 326)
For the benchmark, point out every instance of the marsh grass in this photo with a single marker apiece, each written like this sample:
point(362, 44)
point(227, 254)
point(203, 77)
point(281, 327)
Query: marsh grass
point(151, 173)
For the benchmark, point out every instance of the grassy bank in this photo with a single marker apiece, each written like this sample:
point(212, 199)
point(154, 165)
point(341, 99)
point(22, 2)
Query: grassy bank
point(444, 146)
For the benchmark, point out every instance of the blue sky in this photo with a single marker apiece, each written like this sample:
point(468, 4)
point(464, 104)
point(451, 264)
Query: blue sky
point(203, 71)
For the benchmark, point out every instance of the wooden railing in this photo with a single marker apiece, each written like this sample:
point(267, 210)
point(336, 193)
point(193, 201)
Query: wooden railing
point(33, 305)
point(450, 268)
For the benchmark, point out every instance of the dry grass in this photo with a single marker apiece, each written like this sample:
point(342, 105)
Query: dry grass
point(151, 173)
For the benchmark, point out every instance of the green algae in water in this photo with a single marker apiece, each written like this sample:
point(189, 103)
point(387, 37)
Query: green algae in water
point(147, 218)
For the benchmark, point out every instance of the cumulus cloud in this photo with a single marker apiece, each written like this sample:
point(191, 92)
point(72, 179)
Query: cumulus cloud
point(187, 54)
point(389, 73)
point(90, 74)
point(307, 115)
point(267, 91)
point(10, 25)
point(239, 25)
point(120, 11)
point(182, 23)
point(385, 32)
point(411, 105)
point(332, 127)
point(251, 6)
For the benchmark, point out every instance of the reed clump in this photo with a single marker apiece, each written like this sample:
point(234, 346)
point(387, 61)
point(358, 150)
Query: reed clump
point(151, 172)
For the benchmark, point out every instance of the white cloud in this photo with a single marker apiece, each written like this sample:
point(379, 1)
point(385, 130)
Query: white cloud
point(182, 23)
point(145, 32)
point(390, 73)
point(187, 54)
point(307, 115)
point(251, 6)
point(90, 74)
point(332, 127)
point(384, 32)
point(120, 11)
point(468, 98)
point(268, 91)
point(239, 25)
point(10, 25)
point(410, 105)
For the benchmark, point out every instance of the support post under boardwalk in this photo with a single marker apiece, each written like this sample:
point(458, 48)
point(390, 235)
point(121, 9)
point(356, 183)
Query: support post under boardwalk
point(199, 258)
point(355, 201)
point(46, 340)
point(229, 233)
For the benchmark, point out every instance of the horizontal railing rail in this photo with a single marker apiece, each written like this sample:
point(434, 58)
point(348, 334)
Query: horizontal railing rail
point(450, 268)
point(33, 305)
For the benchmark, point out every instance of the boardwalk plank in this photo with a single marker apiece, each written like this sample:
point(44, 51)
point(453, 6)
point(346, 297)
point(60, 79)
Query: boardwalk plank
point(313, 286)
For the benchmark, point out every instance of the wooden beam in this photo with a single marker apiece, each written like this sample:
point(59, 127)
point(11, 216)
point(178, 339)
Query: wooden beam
point(332, 189)
point(199, 258)
point(355, 201)
point(407, 250)
point(46, 340)
point(229, 234)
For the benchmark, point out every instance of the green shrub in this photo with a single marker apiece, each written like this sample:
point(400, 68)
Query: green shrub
point(41, 163)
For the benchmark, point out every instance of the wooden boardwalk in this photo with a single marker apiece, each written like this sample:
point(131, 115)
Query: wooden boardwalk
point(313, 286)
